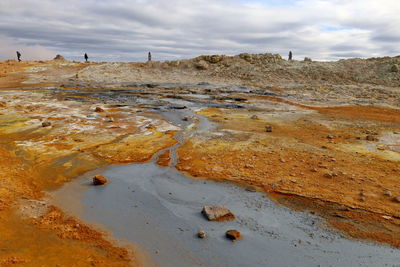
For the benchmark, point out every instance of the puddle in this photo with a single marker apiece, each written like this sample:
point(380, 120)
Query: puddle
point(159, 209)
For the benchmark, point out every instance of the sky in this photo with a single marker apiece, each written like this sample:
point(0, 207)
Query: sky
point(126, 30)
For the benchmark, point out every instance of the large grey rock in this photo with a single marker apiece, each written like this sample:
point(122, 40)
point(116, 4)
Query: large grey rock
point(217, 213)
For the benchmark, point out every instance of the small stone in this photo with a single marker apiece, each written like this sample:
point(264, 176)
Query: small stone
point(363, 199)
point(201, 234)
point(46, 124)
point(98, 109)
point(397, 199)
point(371, 138)
point(314, 170)
point(251, 189)
point(254, 117)
point(394, 68)
point(328, 175)
point(387, 192)
point(217, 213)
point(330, 137)
point(233, 235)
point(268, 129)
point(99, 180)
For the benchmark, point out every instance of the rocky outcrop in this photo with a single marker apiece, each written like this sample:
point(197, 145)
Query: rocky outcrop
point(59, 57)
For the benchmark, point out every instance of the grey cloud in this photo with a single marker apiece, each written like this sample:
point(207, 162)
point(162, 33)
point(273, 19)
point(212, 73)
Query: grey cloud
point(126, 30)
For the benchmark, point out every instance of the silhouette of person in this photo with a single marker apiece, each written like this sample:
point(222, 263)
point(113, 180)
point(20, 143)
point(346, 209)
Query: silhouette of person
point(86, 57)
point(290, 55)
point(19, 56)
point(149, 57)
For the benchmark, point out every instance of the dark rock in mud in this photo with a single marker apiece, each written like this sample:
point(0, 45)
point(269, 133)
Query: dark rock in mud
point(178, 107)
point(98, 109)
point(268, 129)
point(397, 199)
point(251, 189)
point(371, 138)
point(217, 213)
point(99, 180)
point(233, 235)
point(46, 124)
point(201, 234)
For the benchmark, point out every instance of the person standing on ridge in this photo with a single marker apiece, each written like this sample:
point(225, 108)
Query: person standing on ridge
point(86, 57)
point(149, 57)
point(19, 56)
point(290, 55)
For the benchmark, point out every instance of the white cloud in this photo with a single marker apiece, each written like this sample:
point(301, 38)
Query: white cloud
point(127, 29)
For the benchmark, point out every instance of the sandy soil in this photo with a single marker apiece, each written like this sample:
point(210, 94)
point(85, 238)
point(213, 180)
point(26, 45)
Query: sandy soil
point(333, 148)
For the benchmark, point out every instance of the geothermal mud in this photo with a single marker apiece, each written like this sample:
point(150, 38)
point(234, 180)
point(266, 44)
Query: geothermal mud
point(326, 147)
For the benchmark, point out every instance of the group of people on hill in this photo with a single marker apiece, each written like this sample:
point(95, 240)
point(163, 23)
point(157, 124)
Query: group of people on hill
point(85, 56)
point(148, 56)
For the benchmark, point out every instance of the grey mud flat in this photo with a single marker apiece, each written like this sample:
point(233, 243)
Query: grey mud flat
point(159, 209)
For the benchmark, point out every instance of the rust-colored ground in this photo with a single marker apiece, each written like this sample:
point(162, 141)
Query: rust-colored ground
point(316, 161)
point(34, 159)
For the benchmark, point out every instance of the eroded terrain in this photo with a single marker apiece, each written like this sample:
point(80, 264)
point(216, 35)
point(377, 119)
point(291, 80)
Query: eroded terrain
point(311, 137)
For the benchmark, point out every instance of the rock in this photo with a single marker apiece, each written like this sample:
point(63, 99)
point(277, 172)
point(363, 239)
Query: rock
point(46, 124)
point(387, 192)
point(217, 213)
point(99, 180)
point(268, 129)
point(59, 57)
point(328, 175)
point(202, 65)
point(233, 235)
point(98, 109)
point(394, 68)
point(201, 234)
point(371, 138)
point(215, 59)
point(178, 107)
point(251, 189)
point(254, 117)
point(397, 199)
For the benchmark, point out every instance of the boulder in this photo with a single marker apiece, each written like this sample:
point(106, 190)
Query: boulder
point(59, 57)
point(99, 180)
point(98, 109)
point(202, 65)
point(233, 235)
point(46, 124)
point(217, 213)
point(394, 68)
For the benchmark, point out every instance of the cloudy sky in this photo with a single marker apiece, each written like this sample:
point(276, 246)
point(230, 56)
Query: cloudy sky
point(125, 30)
